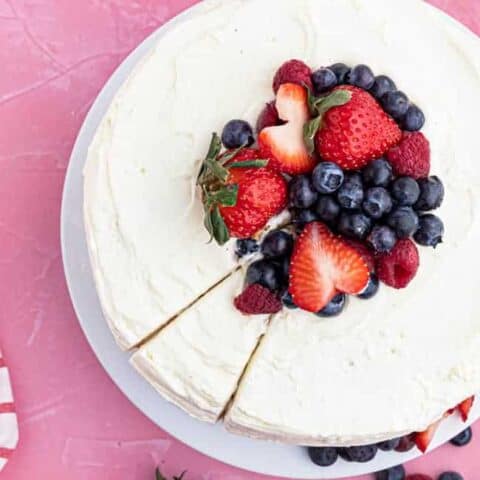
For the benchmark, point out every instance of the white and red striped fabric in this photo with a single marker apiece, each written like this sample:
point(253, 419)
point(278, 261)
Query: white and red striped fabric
point(8, 418)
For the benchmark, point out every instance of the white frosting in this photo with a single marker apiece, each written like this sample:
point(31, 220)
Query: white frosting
point(386, 366)
point(197, 359)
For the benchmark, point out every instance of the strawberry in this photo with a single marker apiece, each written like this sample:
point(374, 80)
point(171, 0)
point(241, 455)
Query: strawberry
point(293, 71)
point(353, 134)
point(411, 157)
point(240, 192)
point(363, 249)
point(255, 300)
point(268, 117)
point(284, 144)
point(465, 407)
point(423, 439)
point(322, 265)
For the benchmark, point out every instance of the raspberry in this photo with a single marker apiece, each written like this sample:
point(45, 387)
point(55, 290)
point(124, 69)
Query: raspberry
point(412, 156)
point(365, 252)
point(268, 117)
point(255, 300)
point(293, 71)
point(418, 476)
point(398, 267)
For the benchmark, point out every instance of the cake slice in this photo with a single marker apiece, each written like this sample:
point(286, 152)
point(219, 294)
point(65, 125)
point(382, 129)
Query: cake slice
point(196, 361)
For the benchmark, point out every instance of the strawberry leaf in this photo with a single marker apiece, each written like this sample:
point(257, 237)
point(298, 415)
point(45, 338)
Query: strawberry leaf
point(249, 164)
point(226, 196)
point(310, 129)
point(210, 166)
point(158, 475)
point(335, 99)
point(318, 107)
point(215, 225)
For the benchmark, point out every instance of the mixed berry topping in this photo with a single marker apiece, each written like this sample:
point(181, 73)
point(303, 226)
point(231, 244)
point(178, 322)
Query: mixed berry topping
point(341, 149)
point(327, 456)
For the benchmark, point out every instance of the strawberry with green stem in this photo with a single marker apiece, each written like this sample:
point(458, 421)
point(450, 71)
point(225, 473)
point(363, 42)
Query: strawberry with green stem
point(239, 192)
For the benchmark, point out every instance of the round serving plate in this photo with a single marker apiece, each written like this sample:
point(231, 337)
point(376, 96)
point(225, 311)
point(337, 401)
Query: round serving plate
point(214, 441)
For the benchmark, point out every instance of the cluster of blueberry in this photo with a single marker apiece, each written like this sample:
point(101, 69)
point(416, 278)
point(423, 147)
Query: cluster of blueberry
point(326, 456)
point(272, 270)
point(383, 88)
point(369, 205)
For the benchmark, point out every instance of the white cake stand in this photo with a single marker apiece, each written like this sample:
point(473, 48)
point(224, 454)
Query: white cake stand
point(214, 441)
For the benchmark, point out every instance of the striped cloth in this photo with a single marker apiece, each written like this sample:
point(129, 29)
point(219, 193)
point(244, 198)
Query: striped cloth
point(8, 418)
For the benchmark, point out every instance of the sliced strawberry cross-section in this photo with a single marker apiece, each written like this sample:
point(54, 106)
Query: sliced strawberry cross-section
point(322, 265)
point(284, 144)
point(423, 439)
point(465, 407)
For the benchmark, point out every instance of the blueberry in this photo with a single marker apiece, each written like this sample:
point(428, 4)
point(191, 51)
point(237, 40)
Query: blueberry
point(301, 192)
point(277, 244)
point(283, 268)
point(287, 300)
point(237, 133)
point(302, 217)
point(430, 231)
point(361, 454)
point(394, 473)
point(354, 225)
point(327, 177)
point(389, 445)
point(382, 238)
point(404, 221)
point(406, 443)
point(323, 456)
point(323, 80)
point(395, 104)
point(377, 202)
point(342, 452)
point(327, 208)
point(463, 438)
point(413, 120)
point(265, 273)
point(335, 307)
point(246, 246)
point(405, 191)
point(350, 194)
point(361, 76)
point(432, 193)
point(341, 71)
point(450, 476)
point(371, 288)
point(378, 173)
point(381, 86)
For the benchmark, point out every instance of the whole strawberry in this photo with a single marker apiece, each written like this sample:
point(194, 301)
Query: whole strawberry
point(353, 134)
point(239, 192)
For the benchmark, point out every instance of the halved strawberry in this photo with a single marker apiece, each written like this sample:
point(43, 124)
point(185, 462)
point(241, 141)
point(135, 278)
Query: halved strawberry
point(423, 439)
point(322, 265)
point(284, 144)
point(465, 407)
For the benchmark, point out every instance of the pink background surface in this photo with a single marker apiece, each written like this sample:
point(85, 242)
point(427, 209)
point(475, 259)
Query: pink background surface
point(55, 56)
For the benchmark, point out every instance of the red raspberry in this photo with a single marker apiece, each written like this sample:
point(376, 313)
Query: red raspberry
point(293, 71)
point(418, 476)
point(268, 117)
point(412, 156)
point(398, 267)
point(255, 300)
point(365, 252)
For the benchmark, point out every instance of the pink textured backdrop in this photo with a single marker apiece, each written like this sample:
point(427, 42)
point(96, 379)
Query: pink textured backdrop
point(55, 56)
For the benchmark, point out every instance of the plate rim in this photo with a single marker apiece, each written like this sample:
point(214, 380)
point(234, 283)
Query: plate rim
point(75, 273)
